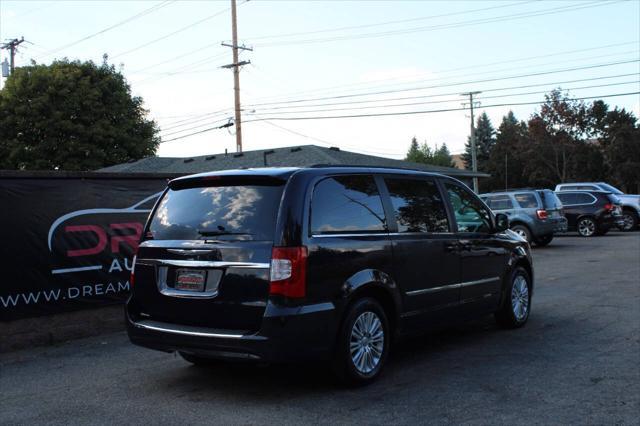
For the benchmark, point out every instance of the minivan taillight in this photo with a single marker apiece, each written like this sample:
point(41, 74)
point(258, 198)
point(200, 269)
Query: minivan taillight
point(609, 207)
point(288, 274)
point(542, 214)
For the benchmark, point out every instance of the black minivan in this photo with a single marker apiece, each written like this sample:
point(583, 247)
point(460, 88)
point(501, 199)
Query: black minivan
point(320, 263)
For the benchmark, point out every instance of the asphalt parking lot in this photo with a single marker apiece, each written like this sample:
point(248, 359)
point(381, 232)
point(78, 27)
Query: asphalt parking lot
point(577, 361)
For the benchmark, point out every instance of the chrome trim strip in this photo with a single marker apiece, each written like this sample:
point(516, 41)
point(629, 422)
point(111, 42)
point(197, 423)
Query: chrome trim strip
point(189, 251)
point(452, 286)
point(186, 332)
point(381, 234)
point(204, 263)
point(372, 234)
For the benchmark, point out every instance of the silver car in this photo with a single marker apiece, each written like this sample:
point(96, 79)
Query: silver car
point(535, 214)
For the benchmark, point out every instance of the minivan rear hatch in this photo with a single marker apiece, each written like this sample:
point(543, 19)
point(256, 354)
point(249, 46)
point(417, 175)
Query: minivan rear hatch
point(205, 255)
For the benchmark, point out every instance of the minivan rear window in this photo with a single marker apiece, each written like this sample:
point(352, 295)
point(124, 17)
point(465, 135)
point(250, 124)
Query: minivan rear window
point(246, 212)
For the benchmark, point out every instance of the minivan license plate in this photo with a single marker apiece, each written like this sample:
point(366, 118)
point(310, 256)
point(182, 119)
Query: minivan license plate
point(190, 280)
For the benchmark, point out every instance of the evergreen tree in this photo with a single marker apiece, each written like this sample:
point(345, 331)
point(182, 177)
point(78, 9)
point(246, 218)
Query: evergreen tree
point(415, 154)
point(423, 153)
point(485, 139)
point(507, 159)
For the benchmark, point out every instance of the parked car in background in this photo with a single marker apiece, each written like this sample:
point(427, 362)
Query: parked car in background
point(591, 212)
point(534, 214)
point(324, 263)
point(630, 203)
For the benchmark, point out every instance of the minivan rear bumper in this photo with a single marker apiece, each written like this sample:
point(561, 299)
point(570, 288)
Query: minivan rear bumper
point(286, 335)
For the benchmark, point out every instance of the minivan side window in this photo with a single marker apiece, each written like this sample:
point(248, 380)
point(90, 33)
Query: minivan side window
point(526, 200)
point(347, 204)
point(417, 205)
point(471, 215)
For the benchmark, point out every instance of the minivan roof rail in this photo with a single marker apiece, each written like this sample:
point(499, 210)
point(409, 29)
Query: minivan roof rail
point(360, 166)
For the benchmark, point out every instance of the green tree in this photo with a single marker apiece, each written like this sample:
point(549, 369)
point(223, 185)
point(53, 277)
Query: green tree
point(72, 115)
point(617, 134)
point(485, 139)
point(442, 156)
point(415, 153)
point(558, 133)
point(423, 153)
point(507, 160)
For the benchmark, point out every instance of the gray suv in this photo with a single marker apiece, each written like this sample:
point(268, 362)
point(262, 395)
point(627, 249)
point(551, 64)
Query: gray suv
point(535, 214)
point(630, 202)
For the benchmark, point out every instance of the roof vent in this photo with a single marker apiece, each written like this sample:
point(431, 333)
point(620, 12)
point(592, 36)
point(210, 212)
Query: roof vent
point(334, 148)
point(296, 149)
point(188, 160)
point(238, 154)
point(210, 157)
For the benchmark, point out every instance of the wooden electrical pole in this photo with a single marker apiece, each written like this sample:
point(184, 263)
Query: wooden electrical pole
point(12, 47)
point(474, 155)
point(236, 73)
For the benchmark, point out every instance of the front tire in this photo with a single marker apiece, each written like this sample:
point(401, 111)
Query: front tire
point(587, 227)
point(516, 306)
point(363, 343)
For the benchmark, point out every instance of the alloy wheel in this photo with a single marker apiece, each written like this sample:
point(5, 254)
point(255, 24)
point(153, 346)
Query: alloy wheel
point(628, 222)
point(587, 227)
point(366, 343)
point(520, 298)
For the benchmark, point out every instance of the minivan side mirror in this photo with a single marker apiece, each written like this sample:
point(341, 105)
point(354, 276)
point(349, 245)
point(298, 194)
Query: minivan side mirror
point(502, 222)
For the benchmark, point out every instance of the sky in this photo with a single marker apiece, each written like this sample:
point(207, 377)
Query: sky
point(401, 64)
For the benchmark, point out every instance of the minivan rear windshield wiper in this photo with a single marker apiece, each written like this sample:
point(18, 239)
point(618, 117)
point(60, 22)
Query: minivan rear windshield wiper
point(215, 233)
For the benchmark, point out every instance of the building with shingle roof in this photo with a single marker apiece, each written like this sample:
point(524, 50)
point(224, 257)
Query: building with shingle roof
point(297, 156)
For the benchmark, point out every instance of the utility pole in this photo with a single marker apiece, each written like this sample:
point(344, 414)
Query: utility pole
point(12, 47)
point(236, 73)
point(474, 161)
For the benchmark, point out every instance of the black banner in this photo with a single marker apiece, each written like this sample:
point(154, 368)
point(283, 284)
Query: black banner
point(68, 243)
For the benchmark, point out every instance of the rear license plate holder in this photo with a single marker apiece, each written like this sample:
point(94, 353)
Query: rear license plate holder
point(191, 280)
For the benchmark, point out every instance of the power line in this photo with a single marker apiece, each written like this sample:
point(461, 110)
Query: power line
point(387, 114)
point(441, 26)
point(220, 113)
point(179, 70)
point(398, 113)
point(400, 21)
point(227, 124)
point(182, 29)
point(445, 100)
point(191, 52)
point(195, 118)
point(138, 15)
point(451, 84)
point(474, 66)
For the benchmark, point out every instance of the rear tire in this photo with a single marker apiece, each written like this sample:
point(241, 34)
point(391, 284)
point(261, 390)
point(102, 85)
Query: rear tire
point(523, 231)
point(544, 240)
point(587, 227)
point(363, 343)
point(198, 360)
point(516, 306)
